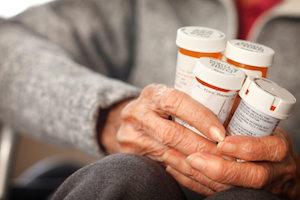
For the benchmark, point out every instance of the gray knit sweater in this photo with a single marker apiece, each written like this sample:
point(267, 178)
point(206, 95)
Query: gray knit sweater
point(62, 63)
point(59, 63)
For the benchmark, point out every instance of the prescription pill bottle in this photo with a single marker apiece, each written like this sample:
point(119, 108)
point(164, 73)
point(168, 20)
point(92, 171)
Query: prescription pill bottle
point(195, 42)
point(215, 85)
point(253, 58)
point(263, 104)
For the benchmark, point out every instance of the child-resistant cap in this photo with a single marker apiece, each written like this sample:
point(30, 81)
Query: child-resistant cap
point(201, 39)
point(267, 97)
point(219, 74)
point(249, 53)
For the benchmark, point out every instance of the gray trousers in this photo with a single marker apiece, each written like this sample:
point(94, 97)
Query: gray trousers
point(131, 177)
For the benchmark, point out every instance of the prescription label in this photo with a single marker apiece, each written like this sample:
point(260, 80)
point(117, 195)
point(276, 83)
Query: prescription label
point(184, 72)
point(248, 121)
point(220, 103)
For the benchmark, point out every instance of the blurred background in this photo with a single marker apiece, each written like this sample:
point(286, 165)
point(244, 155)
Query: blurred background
point(31, 151)
point(9, 8)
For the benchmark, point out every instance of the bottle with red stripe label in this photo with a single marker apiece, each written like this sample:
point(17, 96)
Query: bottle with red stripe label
point(215, 85)
point(195, 42)
point(263, 104)
point(253, 58)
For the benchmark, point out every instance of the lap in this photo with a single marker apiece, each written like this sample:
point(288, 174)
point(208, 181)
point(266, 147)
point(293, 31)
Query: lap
point(125, 176)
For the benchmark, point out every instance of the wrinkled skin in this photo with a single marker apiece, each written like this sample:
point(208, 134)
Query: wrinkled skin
point(200, 164)
point(273, 164)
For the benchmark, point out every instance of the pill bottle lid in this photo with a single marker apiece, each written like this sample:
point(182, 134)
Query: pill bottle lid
point(219, 74)
point(249, 53)
point(201, 39)
point(267, 97)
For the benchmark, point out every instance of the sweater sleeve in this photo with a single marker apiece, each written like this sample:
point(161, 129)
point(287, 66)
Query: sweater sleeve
point(45, 92)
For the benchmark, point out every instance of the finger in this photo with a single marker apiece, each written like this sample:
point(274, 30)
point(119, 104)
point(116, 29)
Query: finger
point(246, 174)
point(267, 148)
point(136, 142)
point(174, 135)
point(177, 161)
point(189, 183)
point(181, 105)
point(282, 133)
point(233, 109)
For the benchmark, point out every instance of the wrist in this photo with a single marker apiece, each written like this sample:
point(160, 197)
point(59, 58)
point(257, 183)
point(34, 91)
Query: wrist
point(108, 125)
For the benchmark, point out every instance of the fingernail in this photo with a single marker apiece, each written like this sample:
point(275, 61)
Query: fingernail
point(217, 134)
point(198, 162)
point(228, 158)
point(227, 147)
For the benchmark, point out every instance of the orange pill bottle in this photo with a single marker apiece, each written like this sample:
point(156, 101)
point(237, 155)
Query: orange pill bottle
point(195, 42)
point(253, 58)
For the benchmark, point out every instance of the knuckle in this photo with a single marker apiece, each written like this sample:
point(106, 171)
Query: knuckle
point(249, 151)
point(190, 172)
point(283, 149)
point(218, 173)
point(127, 135)
point(123, 137)
point(155, 91)
point(149, 90)
point(224, 174)
point(135, 111)
point(166, 156)
point(172, 99)
point(171, 136)
point(128, 111)
point(167, 136)
point(213, 185)
point(262, 177)
point(125, 114)
point(146, 117)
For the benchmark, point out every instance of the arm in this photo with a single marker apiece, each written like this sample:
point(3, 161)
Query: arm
point(46, 93)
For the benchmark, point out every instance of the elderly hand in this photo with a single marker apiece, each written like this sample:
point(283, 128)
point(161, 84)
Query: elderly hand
point(270, 163)
point(146, 130)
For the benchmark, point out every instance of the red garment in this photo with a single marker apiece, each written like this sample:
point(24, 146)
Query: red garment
point(249, 11)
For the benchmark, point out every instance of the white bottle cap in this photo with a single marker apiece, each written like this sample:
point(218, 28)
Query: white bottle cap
point(267, 97)
point(249, 53)
point(201, 39)
point(219, 74)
